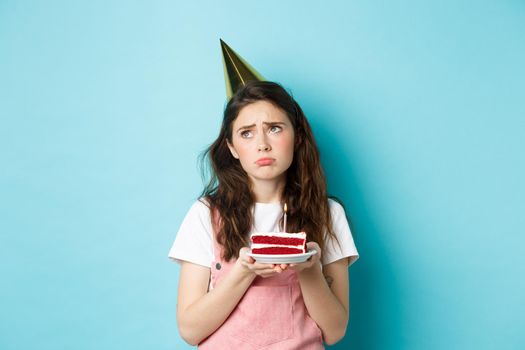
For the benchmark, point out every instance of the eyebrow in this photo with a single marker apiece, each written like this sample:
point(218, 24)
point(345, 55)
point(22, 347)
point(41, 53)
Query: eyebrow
point(265, 123)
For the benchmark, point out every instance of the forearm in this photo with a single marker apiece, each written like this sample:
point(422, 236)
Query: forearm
point(322, 305)
point(205, 315)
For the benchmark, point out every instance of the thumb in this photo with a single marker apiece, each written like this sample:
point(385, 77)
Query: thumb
point(242, 254)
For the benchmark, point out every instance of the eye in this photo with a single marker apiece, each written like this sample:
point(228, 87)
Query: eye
point(246, 134)
point(275, 129)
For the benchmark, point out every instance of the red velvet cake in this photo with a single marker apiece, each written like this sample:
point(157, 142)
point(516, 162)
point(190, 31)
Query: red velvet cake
point(278, 243)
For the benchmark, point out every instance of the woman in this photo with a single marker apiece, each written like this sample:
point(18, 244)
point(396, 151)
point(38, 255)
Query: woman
point(264, 156)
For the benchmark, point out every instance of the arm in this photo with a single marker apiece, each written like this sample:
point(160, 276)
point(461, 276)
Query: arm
point(199, 312)
point(326, 295)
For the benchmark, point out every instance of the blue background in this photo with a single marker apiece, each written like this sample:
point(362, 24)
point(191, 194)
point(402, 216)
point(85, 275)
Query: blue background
point(418, 108)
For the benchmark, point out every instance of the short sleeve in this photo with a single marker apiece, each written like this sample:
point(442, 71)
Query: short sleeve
point(344, 247)
point(193, 242)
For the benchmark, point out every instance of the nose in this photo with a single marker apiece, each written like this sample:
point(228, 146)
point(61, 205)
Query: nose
point(263, 144)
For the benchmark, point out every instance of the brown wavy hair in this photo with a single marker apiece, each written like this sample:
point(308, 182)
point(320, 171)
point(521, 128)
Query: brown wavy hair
point(228, 192)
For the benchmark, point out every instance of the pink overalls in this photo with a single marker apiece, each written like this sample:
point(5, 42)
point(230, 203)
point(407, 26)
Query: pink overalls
point(271, 315)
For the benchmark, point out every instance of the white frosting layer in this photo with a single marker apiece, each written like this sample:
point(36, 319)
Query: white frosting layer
point(280, 234)
point(261, 245)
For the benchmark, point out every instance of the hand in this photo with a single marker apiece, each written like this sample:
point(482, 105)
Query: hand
point(312, 261)
point(250, 265)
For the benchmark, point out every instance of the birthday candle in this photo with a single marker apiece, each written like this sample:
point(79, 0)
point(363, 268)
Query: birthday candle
point(285, 210)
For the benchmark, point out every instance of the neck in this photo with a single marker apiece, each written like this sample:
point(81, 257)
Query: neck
point(268, 191)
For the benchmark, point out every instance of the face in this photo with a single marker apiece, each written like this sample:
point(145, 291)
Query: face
point(263, 141)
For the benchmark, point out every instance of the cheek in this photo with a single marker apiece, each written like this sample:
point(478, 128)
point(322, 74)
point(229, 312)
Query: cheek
point(243, 150)
point(286, 145)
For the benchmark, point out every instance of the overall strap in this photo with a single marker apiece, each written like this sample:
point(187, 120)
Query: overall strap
point(215, 224)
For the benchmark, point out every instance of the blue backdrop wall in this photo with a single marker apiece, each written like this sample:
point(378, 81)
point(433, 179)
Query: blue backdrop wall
point(417, 107)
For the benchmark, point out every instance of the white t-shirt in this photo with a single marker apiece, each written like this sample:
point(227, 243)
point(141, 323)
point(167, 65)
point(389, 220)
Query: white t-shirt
point(193, 242)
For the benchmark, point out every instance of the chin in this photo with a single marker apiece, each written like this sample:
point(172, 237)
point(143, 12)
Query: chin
point(268, 176)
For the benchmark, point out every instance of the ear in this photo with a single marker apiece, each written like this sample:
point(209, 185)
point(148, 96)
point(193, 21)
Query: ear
point(232, 150)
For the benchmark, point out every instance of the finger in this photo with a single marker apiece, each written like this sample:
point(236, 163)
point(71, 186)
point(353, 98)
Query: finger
point(313, 245)
point(247, 260)
point(300, 266)
point(292, 267)
point(247, 264)
point(266, 273)
point(243, 256)
point(263, 266)
point(258, 268)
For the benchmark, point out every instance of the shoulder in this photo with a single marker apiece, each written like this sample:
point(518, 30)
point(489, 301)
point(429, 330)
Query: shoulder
point(336, 208)
point(198, 216)
point(343, 244)
point(337, 215)
point(193, 241)
point(200, 208)
point(202, 204)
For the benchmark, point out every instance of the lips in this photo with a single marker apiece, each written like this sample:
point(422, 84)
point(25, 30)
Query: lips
point(265, 161)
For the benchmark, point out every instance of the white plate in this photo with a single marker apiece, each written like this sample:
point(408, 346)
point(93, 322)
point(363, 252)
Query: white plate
point(282, 258)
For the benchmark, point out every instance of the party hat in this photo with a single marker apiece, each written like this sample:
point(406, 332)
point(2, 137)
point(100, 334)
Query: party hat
point(237, 71)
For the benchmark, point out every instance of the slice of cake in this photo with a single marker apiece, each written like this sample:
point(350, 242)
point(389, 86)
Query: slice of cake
point(278, 243)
